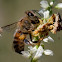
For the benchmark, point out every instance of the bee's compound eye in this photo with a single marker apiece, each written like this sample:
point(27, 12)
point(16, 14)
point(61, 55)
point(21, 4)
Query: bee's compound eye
point(30, 14)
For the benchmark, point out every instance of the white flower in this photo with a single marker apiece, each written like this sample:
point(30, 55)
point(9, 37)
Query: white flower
point(45, 40)
point(51, 3)
point(59, 5)
point(44, 4)
point(50, 39)
point(39, 53)
point(48, 52)
point(26, 54)
point(32, 49)
point(46, 14)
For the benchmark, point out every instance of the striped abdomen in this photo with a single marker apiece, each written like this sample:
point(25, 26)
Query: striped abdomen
point(18, 42)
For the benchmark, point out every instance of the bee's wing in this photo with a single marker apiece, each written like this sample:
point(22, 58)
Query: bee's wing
point(9, 27)
point(37, 13)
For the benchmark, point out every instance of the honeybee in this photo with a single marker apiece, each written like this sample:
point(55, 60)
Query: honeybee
point(33, 26)
point(24, 27)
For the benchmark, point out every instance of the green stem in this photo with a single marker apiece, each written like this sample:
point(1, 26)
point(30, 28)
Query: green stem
point(34, 60)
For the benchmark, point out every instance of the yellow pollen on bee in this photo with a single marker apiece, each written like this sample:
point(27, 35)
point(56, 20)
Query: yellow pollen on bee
point(51, 27)
point(22, 37)
point(35, 32)
point(41, 22)
point(50, 20)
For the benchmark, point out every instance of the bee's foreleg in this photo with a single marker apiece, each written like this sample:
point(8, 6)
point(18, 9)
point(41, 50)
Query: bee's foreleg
point(26, 41)
point(32, 40)
point(30, 37)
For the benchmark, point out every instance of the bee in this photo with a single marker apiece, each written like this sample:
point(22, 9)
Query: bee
point(33, 26)
point(24, 27)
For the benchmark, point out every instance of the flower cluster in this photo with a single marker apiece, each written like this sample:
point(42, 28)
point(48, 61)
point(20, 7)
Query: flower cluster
point(37, 51)
point(47, 8)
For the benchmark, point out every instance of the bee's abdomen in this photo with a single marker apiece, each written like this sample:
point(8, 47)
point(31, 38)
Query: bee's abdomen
point(18, 42)
point(18, 46)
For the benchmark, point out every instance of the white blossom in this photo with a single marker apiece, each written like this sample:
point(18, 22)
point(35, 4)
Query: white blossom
point(51, 3)
point(32, 49)
point(48, 52)
point(45, 40)
point(59, 5)
point(50, 39)
point(46, 14)
point(39, 52)
point(26, 54)
point(44, 4)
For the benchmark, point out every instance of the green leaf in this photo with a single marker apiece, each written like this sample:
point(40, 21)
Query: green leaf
point(37, 46)
point(36, 38)
point(41, 36)
point(42, 45)
point(53, 0)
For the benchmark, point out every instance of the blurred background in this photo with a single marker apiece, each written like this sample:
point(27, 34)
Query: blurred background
point(11, 11)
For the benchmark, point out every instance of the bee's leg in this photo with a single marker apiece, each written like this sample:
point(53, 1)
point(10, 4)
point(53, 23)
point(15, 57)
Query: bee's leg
point(26, 41)
point(60, 20)
point(30, 37)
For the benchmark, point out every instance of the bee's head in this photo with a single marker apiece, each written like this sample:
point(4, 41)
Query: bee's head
point(29, 13)
point(32, 16)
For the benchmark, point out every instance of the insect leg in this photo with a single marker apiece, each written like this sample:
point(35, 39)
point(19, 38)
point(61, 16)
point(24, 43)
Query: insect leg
point(31, 39)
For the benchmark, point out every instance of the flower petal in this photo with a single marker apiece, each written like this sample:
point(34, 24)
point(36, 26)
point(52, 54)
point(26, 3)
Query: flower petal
point(51, 3)
point(59, 5)
point(30, 47)
point(26, 54)
point(44, 4)
point(50, 39)
point(46, 14)
point(39, 53)
point(33, 50)
point(45, 40)
point(48, 52)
